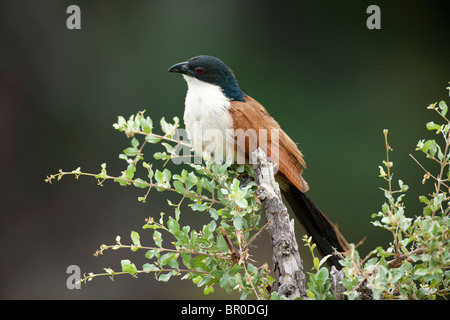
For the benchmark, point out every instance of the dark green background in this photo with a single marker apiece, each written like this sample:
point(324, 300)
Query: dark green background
point(332, 84)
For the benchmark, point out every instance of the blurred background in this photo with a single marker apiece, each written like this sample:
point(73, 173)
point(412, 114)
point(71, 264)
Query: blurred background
point(332, 84)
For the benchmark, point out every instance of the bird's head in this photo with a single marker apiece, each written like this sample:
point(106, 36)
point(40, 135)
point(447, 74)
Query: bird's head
point(213, 71)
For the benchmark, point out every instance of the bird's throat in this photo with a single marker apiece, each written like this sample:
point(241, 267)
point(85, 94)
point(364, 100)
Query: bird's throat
point(209, 124)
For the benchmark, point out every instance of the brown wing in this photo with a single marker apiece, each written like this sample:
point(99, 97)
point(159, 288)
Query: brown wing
point(252, 116)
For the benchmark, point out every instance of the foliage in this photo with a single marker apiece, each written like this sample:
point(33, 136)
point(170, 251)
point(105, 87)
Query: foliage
point(319, 284)
point(416, 263)
point(218, 253)
point(414, 266)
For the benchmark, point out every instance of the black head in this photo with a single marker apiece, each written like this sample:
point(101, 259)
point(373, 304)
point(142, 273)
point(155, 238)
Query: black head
point(211, 70)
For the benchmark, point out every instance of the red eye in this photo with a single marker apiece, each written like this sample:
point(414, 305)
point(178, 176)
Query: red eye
point(200, 70)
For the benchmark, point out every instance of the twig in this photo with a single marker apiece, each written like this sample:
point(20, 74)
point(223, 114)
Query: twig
point(427, 172)
point(234, 253)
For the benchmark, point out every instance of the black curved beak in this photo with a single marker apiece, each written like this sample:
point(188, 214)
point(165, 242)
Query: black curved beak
point(179, 67)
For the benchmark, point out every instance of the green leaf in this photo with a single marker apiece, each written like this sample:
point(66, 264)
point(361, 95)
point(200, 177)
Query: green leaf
point(213, 213)
point(157, 238)
point(177, 213)
point(430, 147)
point(242, 202)
point(199, 207)
point(192, 178)
point(131, 151)
point(316, 263)
point(120, 122)
point(238, 222)
point(168, 147)
point(165, 127)
point(152, 139)
point(151, 173)
point(135, 238)
point(161, 156)
point(166, 276)
point(127, 266)
point(207, 290)
point(146, 128)
point(403, 187)
point(443, 107)
point(148, 267)
point(433, 126)
point(169, 259)
point(420, 272)
point(323, 274)
point(139, 183)
point(159, 176)
point(135, 143)
point(131, 169)
point(152, 253)
point(179, 186)
point(167, 175)
point(173, 225)
point(424, 200)
point(382, 172)
point(223, 282)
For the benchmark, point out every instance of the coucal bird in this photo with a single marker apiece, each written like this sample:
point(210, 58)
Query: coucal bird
point(217, 111)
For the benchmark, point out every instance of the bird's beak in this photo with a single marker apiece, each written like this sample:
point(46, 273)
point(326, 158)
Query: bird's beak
point(179, 67)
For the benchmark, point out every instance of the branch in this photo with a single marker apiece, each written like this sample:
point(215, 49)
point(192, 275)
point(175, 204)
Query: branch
point(288, 267)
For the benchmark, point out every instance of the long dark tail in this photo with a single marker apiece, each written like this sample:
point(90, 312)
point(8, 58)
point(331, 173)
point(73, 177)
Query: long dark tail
point(323, 232)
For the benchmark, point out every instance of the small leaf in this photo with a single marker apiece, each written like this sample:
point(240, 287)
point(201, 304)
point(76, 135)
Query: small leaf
point(165, 127)
point(152, 139)
point(168, 147)
point(403, 187)
point(179, 186)
point(157, 238)
point(443, 107)
point(223, 282)
point(135, 238)
point(127, 266)
point(213, 213)
point(420, 272)
point(434, 126)
point(238, 222)
point(159, 176)
point(148, 267)
point(131, 169)
point(382, 172)
point(167, 258)
point(424, 200)
point(242, 202)
point(130, 151)
point(173, 225)
point(166, 277)
point(139, 183)
point(324, 259)
point(199, 207)
point(207, 290)
point(316, 263)
point(135, 143)
point(167, 175)
point(151, 253)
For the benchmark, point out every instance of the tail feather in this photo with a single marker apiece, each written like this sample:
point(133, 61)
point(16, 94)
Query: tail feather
point(323, 232)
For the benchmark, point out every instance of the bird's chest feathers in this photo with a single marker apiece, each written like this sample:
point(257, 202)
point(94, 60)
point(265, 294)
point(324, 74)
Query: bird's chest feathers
point(207, 118)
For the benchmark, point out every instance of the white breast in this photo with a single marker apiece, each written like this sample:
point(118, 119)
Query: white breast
point(208, 121)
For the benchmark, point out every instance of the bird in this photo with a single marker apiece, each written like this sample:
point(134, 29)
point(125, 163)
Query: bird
point(223, 120)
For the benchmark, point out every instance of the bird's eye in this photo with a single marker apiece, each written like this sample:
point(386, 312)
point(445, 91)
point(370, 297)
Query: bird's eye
point(200, 70)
